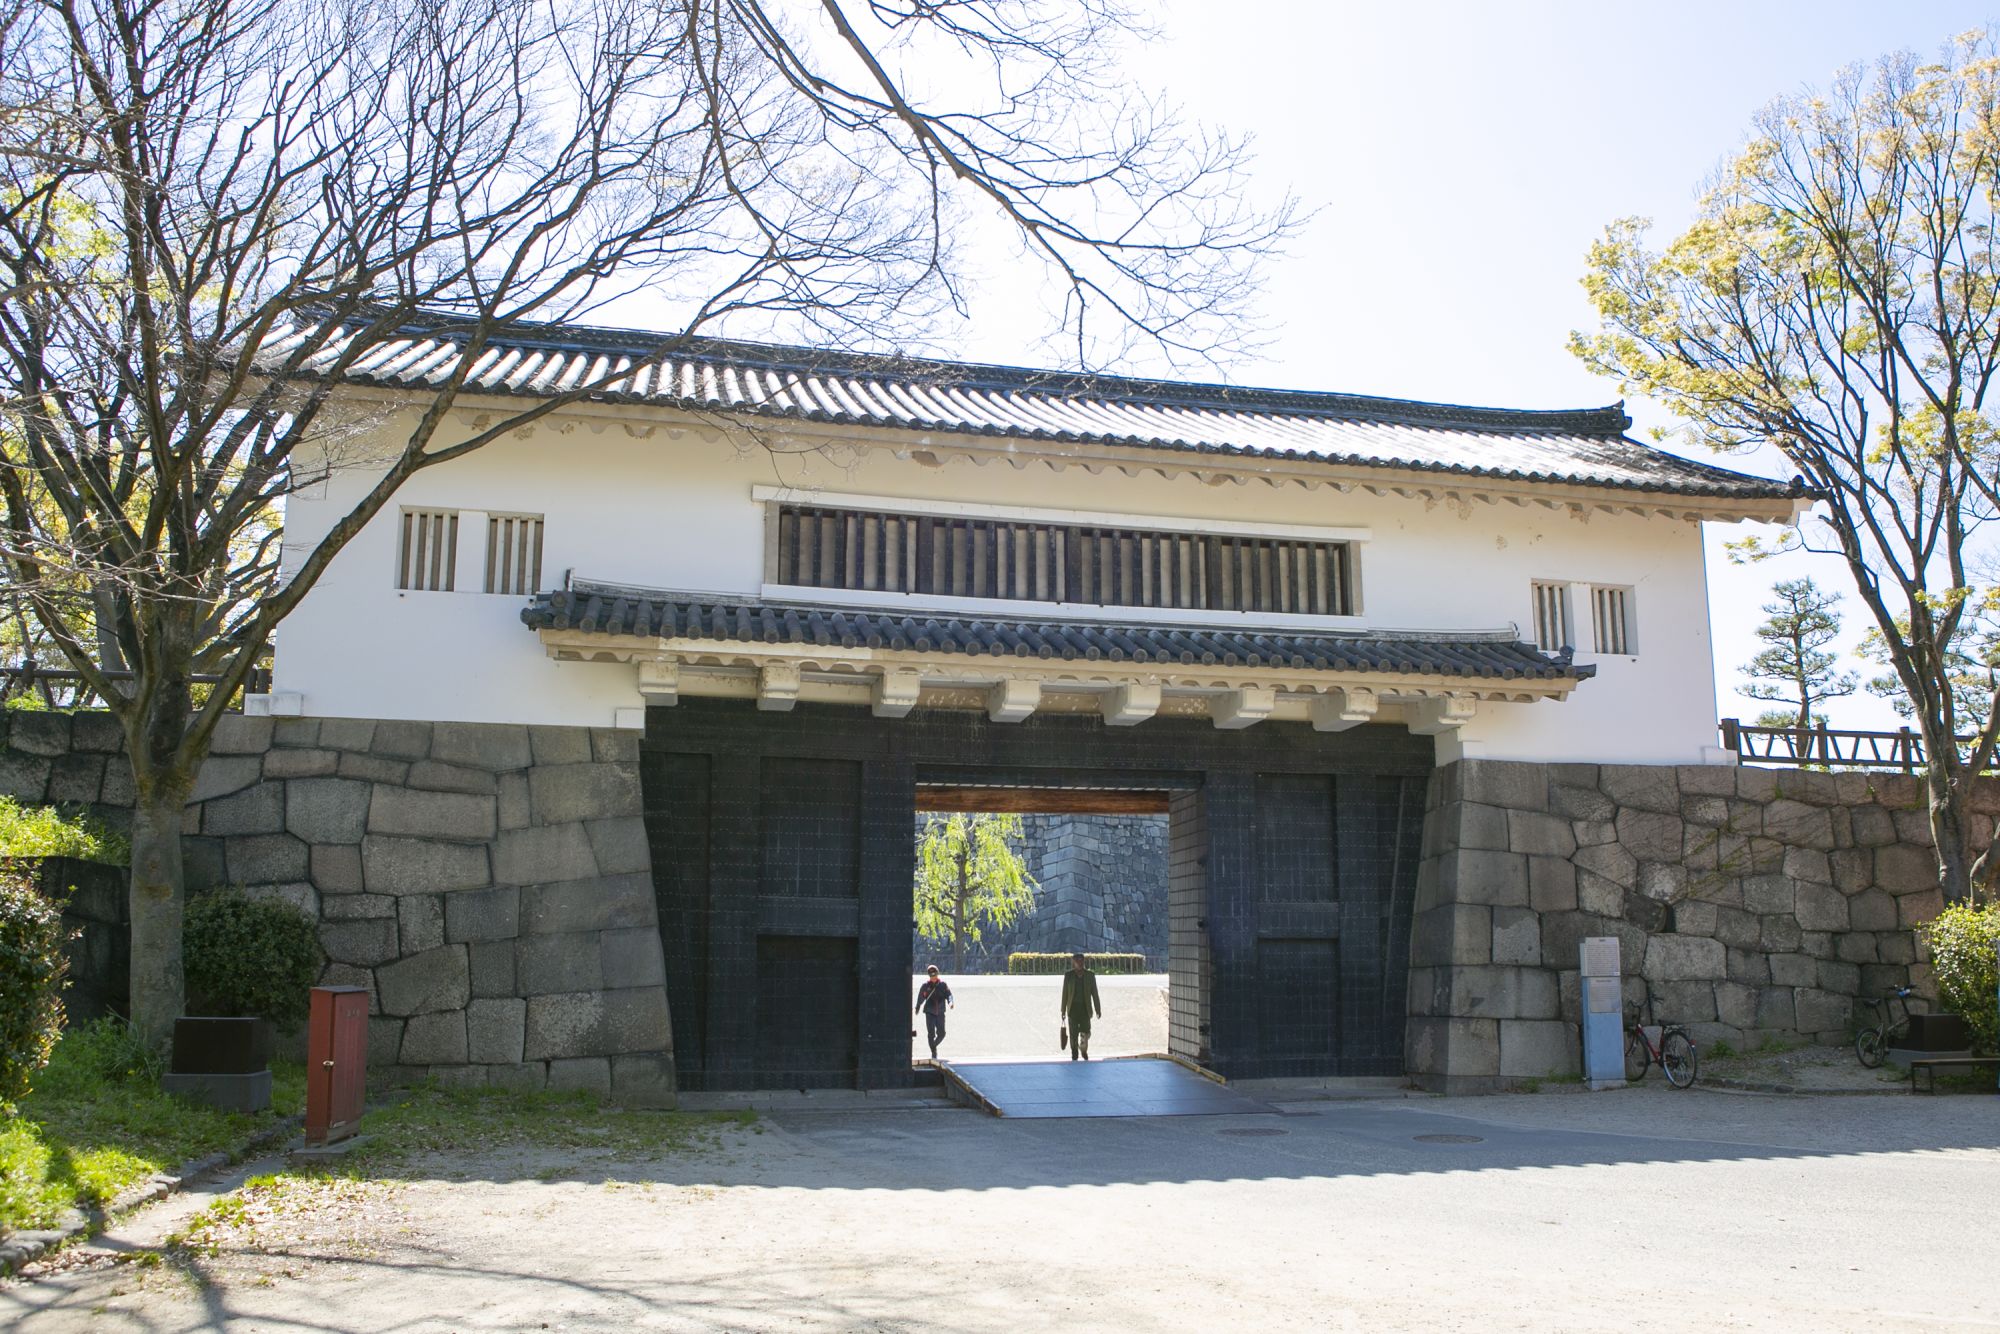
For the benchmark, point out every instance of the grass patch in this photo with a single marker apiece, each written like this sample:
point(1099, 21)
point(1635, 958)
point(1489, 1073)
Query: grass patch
point(48, 831)
point(431, 1122)
point(97, 1123)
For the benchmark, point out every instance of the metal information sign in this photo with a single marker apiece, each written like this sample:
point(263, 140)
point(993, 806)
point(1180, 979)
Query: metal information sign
point(1603, 1013)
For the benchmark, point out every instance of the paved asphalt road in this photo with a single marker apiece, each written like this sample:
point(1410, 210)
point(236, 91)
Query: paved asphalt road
point(1639, 1210)
point(1017, 1018)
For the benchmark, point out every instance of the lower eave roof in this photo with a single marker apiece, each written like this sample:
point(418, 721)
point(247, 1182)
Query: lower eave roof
point(595, 610)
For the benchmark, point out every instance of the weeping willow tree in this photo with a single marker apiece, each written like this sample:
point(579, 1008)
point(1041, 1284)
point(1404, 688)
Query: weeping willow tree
point(970, 877)
point(1837, 299)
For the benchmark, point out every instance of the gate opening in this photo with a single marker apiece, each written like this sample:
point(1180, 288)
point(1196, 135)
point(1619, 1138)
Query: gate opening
point(1105, 883)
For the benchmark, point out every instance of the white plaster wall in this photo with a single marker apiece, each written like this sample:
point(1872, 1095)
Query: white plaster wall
point(678, 514)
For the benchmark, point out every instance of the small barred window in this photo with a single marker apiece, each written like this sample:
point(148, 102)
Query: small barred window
point(1552, 617)
point(1611, 616)
point(427, 554)
point(513, 553)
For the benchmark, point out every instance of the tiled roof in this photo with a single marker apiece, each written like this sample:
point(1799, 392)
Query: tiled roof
point(1585, 447)
point(594, 609)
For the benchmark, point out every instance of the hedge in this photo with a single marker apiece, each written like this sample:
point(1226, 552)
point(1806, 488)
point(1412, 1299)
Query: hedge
point(31, 977)
point(247, 956)
point(1023, 963)
point(1962, 940)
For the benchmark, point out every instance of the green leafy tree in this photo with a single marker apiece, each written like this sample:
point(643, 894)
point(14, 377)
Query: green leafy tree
point(1837, 299)
point(213, 211)
point(1794, 667)
point(970, 877)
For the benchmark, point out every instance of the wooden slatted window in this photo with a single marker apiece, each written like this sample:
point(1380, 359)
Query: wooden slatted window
point(1611, 618)
point(513, 553)
point(427, 554)
point(1040, 562)
point(1552, 617)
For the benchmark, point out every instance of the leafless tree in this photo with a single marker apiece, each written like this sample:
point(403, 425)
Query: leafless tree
point(211, 209)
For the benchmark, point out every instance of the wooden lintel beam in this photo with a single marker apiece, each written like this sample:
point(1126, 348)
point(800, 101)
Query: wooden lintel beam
point(1040, 801)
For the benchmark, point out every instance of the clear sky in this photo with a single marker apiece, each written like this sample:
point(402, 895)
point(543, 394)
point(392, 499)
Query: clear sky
point(1463, 157)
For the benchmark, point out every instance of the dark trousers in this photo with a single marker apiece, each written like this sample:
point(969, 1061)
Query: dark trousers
point(934, 1024)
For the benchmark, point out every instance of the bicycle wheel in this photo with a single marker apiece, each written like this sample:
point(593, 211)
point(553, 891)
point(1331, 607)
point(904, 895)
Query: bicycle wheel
point(1637, 1058)
point(1869, 1047)
point(1677, 1059)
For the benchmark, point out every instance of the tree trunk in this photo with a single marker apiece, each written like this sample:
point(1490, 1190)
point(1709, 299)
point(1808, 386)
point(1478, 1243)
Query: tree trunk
point(162, 781)
point(1949, 832)
point(958, 915)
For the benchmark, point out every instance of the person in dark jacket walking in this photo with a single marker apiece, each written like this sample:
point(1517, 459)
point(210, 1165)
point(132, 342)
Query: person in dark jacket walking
point(1079, 998)
point(932, 1000)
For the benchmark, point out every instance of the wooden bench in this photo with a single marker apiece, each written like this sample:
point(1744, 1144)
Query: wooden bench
point(1931, 1064)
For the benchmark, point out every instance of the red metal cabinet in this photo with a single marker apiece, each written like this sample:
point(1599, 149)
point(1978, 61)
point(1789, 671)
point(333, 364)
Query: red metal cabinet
point(336, 1062)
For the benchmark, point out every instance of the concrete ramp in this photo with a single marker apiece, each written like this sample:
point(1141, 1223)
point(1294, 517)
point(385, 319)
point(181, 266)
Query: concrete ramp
point(1138, 1086)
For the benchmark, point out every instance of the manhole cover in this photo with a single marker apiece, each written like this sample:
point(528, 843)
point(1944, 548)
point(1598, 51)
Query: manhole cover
point(1249, 1131)
point(1449, 1139)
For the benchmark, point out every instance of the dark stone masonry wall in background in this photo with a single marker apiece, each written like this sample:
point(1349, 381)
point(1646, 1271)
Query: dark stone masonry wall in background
point(1103, 888)
point(1755, 903)
point(490, 885)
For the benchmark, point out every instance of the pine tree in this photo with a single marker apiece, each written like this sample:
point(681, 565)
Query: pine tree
point(1794, 668)
point(969, 877)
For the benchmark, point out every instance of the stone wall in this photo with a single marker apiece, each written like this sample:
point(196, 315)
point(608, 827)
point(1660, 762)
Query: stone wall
point(1755, 903)
point(490, 885)
point(1103, 888)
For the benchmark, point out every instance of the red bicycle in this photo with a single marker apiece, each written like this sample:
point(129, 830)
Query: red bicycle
point(1673, 1052)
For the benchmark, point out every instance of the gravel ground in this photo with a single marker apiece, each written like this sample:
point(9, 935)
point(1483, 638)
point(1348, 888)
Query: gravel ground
point(1639, 1210)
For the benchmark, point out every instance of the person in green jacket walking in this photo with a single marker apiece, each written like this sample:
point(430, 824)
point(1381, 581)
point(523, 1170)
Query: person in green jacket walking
point(1079, 998)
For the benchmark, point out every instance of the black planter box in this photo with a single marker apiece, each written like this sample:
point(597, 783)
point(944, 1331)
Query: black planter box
point(1937, 1032)
point(221, 1046)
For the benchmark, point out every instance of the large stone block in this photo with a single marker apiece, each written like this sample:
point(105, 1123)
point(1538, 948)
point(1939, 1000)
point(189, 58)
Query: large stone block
point(644, 1081)
point(597, 1023)
point(1808, 864)
point(221, 775)
point(483, 914)
point(327, 810)
point(1707, 813)
point(1674, 957)
point(496, 1030)
point(1501, 993)
point(1751, 968)
point(492, 967)
point(1595, 894)
point(365, 943)
point(433, 776)
point(1538, 1048)
point(1539, 834)
point(548, 964)
point(346, 733)
point(401, 740)
point(1914, 827)
point(1642, 787)
point(515, 810)
point(372, 768)
point(1872, 826)
point(1775, 1009)
point(299, 894)
point(1552, 884)
point(336, 868)
point(1515, 786)
point(521, 1077)
point(440, 815)
point(1856, 947)
point(1916, 909)
point(1479, 876)
point(240, 734)
point(96, 732)
point(32, 732)
point(492, 746)
point(437, 1038)
point(1838, 977)
point(1662, 882)
point(263, 859)
point(1466, 825)
point(1584, 804)
point(422, 983)
point(560, 745)
point(1649, 915)
point(420, 866)
point(77, 779)
point(1797, 824)
point(294, 733)
point(1769, 894)
point(1453, 933)
point(1686, 1001)
point(586, 1074)
point(385, 1043)
point(620, 846)
point(1871, 910)
point(1651, 836)
point(1903, 869)
point(614, 745)
point(631, 958)
point(255, 810)
point(588, 905)
point(1739, 929)
point(1736, 1005)
point(1693, 918)
point(1517, 937)
point(1821, 908)
point(419, 922)
point(300, 763)
point(1823, 1012)
point(567, 792)
point(356, 907)
point(544, 852)
point(1612, 861)
point(1443, 1048)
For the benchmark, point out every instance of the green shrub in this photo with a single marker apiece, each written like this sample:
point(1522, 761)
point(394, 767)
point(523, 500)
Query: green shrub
point(1023, 963)
point(45, 831)
point(247, 956)
point(1962, 940)
point(31, 976)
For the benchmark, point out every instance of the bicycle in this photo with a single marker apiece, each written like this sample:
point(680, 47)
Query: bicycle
point(1872, 1044)
point(1674, 1053)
